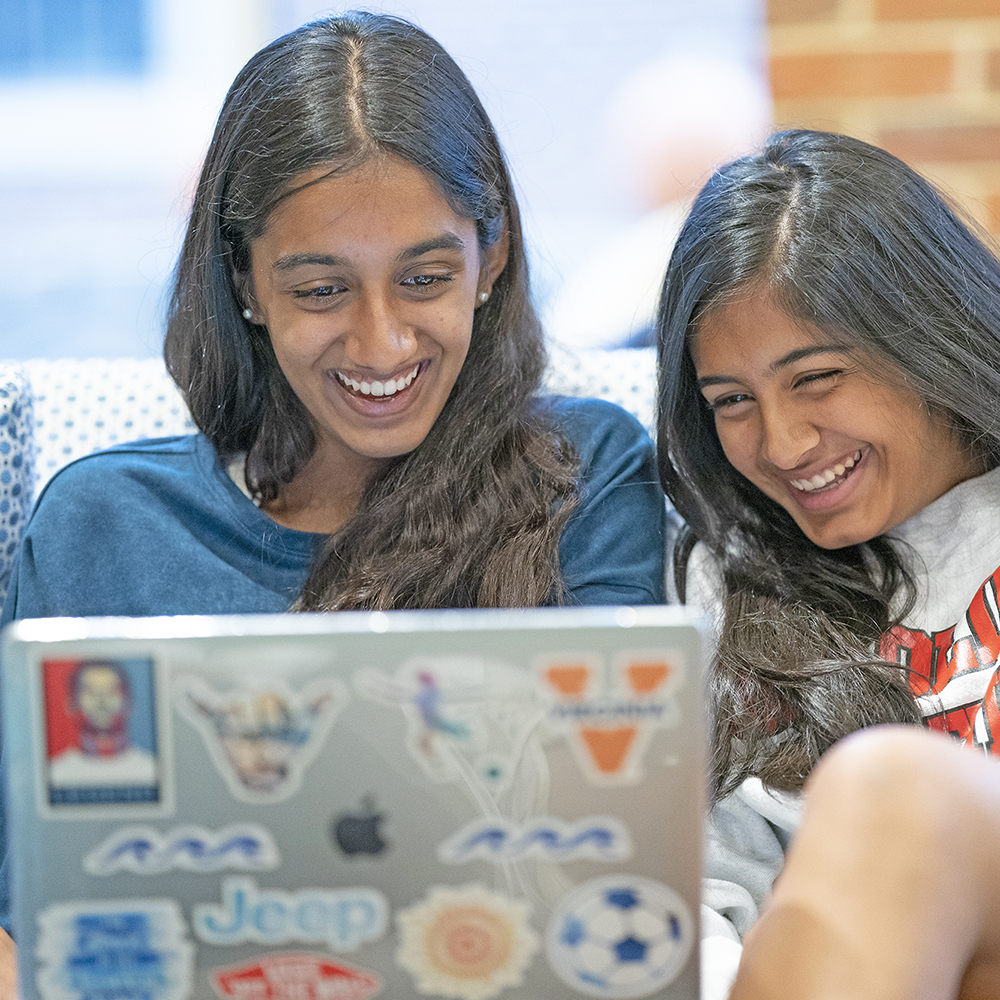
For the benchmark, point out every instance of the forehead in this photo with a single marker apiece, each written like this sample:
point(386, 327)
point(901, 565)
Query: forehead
point(749, 331)
point(99, 675)
point(384, 201)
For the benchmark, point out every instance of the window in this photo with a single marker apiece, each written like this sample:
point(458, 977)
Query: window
point(73, 38)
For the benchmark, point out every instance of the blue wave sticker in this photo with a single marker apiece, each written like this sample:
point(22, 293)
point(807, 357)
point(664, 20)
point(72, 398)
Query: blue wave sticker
point(146, 851)
point(598, 838)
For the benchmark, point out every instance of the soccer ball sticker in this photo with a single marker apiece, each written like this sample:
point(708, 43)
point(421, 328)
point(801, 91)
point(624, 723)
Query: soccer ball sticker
point(620, 936)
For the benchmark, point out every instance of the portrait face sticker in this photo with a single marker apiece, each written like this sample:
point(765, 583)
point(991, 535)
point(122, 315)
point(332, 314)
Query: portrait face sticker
point(261, 740)
point(466, 942)
point(114, 948)
point(102, 745)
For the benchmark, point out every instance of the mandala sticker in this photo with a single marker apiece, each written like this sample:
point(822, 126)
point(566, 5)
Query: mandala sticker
point(466, 942)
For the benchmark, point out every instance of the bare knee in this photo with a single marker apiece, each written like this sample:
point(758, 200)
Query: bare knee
point(902, 785)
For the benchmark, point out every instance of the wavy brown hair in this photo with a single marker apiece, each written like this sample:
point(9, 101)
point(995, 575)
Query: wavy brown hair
point(473, 516)
point(850, 240)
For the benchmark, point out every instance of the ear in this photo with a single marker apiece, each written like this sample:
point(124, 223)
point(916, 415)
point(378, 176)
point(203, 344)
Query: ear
point(494, 261)
point(243, 286)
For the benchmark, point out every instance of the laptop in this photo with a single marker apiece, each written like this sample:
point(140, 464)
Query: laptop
point(461, 804)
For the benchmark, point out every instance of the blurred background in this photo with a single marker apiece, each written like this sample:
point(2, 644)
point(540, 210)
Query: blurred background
point(611, 114)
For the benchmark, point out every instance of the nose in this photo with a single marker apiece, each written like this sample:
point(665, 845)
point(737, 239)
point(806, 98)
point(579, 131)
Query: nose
point(787, 434)
point(380, 339)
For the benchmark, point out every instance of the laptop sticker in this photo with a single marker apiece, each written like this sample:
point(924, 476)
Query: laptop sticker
point(343, 919)
point(359, 832)
point(468, 719)
point(295, 976)
point(597, 838)
point(114, 948)
point(261, 740)
point(102, 745)
point(466, 942)
point(619, 936)
point(609, 715)
point(145, 851)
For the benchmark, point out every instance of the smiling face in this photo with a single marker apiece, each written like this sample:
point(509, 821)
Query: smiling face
point(367, 283)
point(837, 440)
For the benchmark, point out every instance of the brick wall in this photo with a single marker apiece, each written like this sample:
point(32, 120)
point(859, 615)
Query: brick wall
point(919, 77)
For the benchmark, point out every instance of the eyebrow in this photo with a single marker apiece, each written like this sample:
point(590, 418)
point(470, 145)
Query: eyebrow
point(783, 362)
point(446, 241)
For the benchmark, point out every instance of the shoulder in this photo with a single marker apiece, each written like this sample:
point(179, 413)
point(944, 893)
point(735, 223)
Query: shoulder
point(127, 483)
point(595, 426)
point(108, 467)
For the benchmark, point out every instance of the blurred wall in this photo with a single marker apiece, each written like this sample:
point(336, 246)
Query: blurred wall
point(918, 77)
point(96, 171)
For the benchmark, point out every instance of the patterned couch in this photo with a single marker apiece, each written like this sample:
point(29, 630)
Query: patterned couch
point(52, 412)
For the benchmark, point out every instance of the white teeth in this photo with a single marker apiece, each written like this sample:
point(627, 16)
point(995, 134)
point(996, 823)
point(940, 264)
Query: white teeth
point(827, 476)
point(387, 388)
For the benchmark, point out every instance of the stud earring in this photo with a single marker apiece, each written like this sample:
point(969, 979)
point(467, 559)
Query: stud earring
point(247, 314)
point(483, 296)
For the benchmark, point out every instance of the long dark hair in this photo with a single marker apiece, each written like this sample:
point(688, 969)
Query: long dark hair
point(472, 516)
point(849, 239)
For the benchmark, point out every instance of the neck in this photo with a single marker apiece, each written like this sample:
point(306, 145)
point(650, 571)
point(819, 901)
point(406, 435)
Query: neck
point(323, 496)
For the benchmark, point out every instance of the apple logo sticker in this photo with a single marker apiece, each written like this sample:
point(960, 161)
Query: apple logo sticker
point(358, 832)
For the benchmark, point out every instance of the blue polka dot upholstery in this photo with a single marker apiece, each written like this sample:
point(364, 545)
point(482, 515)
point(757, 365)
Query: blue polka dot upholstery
point(16, 464)
point(626, 376)
point(83, 406)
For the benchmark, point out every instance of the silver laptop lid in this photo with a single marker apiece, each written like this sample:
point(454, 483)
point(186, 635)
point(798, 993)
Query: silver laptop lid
point(466, 804)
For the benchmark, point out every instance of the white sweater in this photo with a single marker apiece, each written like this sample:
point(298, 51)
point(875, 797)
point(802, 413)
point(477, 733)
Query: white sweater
point(956, 541)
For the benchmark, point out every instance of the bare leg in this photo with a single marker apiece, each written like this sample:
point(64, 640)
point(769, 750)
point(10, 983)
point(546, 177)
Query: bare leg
point(891, 890)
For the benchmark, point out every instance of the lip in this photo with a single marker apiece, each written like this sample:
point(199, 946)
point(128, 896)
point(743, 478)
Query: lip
point(837, 491)
point(380, 406)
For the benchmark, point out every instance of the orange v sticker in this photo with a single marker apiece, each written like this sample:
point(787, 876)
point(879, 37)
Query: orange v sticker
point(608, 748)
point(608, 714)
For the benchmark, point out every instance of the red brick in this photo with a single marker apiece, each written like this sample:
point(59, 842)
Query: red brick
point(991, 216)
point(993, 72)
point(955, 143)
point(914, 10)
point(883, 74)
point(792, 11)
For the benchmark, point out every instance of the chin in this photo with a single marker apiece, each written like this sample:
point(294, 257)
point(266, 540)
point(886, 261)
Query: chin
point(835, 540)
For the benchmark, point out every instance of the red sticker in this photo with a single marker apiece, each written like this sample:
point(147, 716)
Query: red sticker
point(289, 976)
